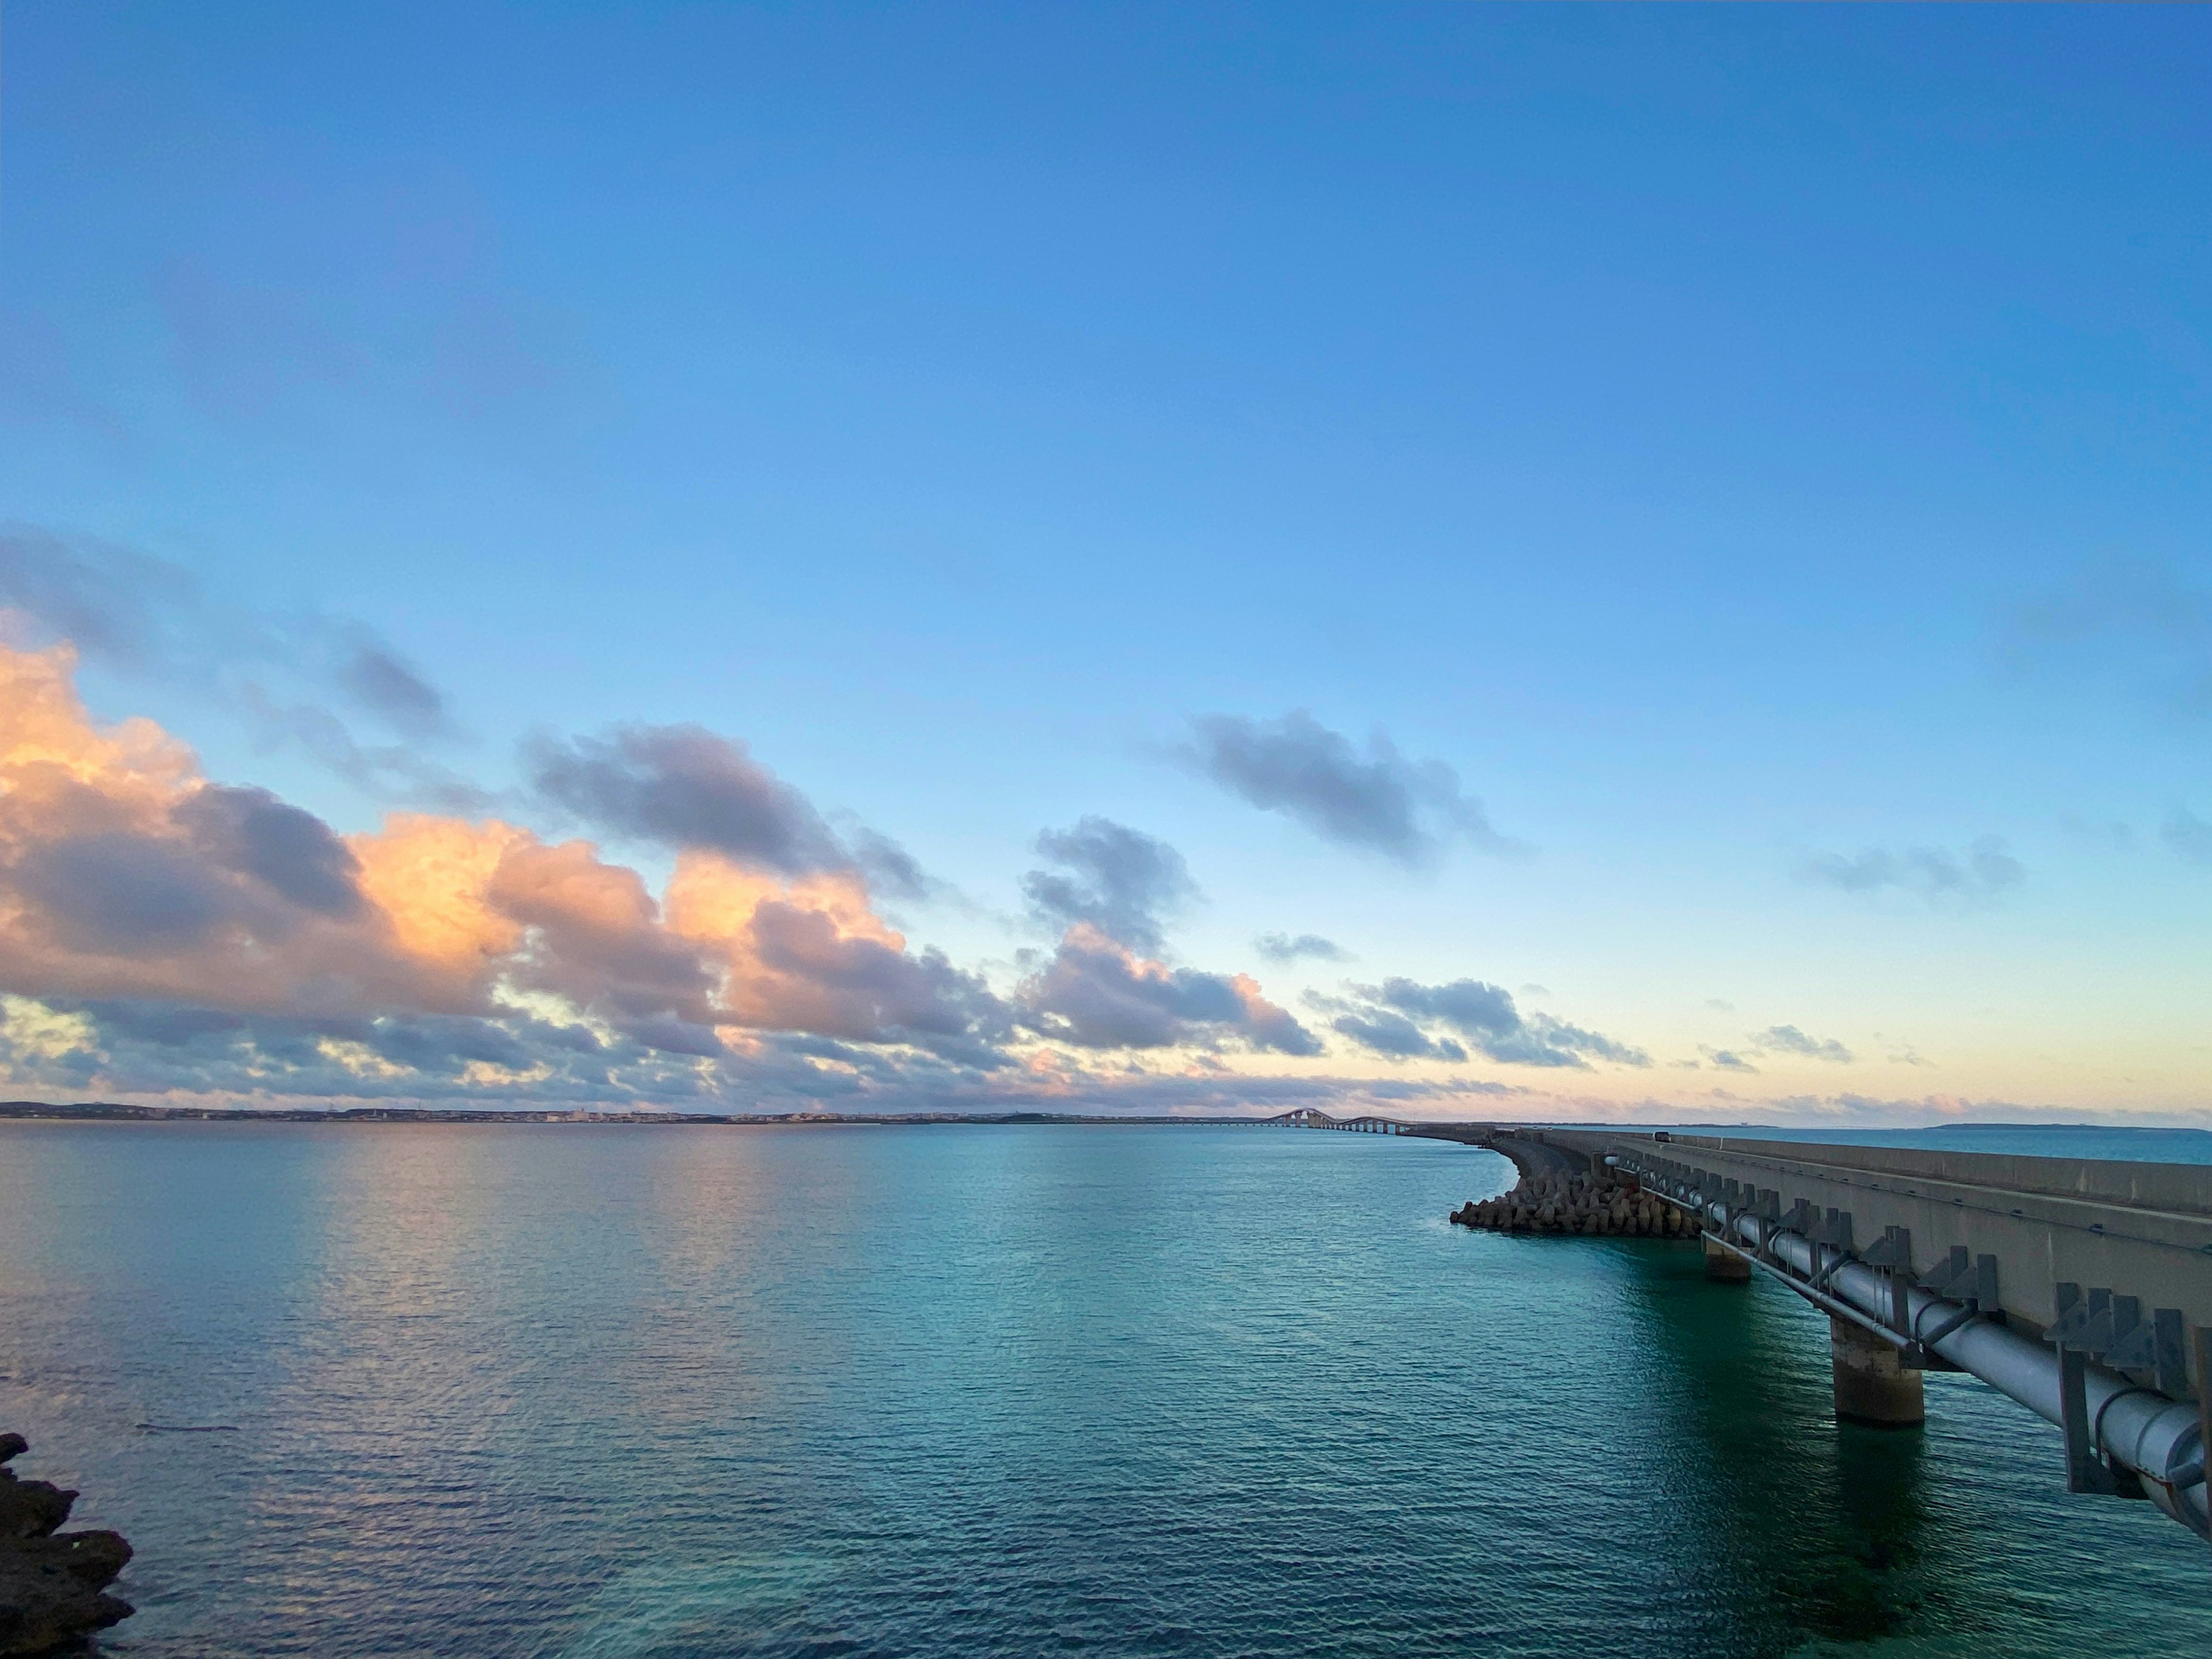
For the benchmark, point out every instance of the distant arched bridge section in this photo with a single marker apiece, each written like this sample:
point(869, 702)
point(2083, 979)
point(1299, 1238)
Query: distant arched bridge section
point(1308, 1117)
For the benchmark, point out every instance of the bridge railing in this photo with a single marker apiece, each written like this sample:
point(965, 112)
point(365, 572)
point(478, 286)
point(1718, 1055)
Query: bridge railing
point(2081, 1289)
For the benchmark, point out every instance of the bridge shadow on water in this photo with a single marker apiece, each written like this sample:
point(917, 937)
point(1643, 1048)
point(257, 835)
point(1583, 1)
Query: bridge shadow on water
point(1802, 1526)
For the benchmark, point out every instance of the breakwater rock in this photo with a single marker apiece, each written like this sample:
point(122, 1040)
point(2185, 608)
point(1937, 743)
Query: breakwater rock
point(1580, 1204)
point(52, 1583)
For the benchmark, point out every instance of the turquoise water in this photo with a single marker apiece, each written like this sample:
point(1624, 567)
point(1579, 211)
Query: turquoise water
point(630, 1391)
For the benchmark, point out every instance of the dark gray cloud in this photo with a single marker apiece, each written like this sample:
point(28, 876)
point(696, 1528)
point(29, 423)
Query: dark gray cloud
point(668, 1034)
point(292, 852)
point(1789, 1040)
point(1118, 880)
point(375, 679)
point(114, 604)
point(160, 1050)
point(609, 956)
point(1093, 993)
point(146, 615)
point(383, 769)
point(890, 869)
point(2187, 835)
point(1379, 801)
point(1305, 947)
point(1398, 1016)
point(685, 786)
point(1982, 872)
point(833, 984)
point(289, 674)
point(1381, 1031)
point(2144, 625)
point(1727, 1060)
point(155, 1047)
point(509, 1059)
point(236, 860)
point(117, 892)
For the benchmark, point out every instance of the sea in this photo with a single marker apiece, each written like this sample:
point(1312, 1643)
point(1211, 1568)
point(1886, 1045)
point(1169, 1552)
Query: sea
point(614, 1392)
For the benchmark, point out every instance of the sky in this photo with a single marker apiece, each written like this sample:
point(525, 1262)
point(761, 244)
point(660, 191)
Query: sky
point(1462, 561)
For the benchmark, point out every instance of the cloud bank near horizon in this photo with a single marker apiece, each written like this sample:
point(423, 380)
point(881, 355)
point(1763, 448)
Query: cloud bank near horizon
point(164, 937)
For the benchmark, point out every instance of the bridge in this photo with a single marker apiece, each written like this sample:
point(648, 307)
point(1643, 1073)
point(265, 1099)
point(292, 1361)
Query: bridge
point(2080, 1289)
point(1306, 1117)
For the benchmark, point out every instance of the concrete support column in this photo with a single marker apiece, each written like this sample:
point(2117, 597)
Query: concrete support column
point(1871, 1387)
point(1723, 1266)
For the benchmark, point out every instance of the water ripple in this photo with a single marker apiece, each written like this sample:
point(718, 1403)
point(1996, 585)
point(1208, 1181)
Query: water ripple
point(603, 1392)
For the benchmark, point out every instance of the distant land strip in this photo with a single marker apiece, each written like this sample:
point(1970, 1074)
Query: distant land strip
point(116, 1111)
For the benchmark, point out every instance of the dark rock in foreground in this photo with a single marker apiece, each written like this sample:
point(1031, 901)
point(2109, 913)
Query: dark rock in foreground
point(51, 1581)
point(1601, 1206)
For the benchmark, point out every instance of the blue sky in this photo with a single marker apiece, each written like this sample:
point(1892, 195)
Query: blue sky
point(1762, 453)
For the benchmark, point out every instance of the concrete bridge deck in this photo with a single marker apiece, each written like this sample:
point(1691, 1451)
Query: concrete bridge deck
point(2080, 1288)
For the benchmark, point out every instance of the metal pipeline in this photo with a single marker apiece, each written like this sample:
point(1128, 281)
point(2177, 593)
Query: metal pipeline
point(2162, 1440)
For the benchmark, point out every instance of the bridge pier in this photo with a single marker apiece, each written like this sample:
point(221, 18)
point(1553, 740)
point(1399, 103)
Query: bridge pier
point(1723, 1266)
point(1871, 1387)
point(2071, 1285)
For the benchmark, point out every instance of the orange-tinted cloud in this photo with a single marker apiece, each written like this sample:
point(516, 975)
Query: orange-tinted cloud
point(125, 873)
point(808, 954)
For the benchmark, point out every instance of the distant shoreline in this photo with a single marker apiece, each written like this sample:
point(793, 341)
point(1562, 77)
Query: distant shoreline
point(117, 1112)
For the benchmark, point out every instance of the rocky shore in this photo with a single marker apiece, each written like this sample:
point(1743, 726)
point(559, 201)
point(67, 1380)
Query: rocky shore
point(1588, 1205)
point(52, 1583)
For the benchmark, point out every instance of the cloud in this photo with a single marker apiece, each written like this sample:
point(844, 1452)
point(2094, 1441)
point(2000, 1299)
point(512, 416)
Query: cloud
point(290, 851)
point(2188, 836)
point(1379, 802)
point(1727, 1060)
point(811, 956)
point(687, 788)
point(1789, 1040)
point(121, 892)
point(159, 1053)
point(684, 787)
point(125, 876)
point(1397, 1019)
point(2110, 833)
point(2143, 624)
point(377, 679)
point(1380, 1031)
point(289, 674)
point(1306, 947)
point(1981, 873)
point(890, 868)
point(1097, 992)
point(1118, 880)
point(1101, 987)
